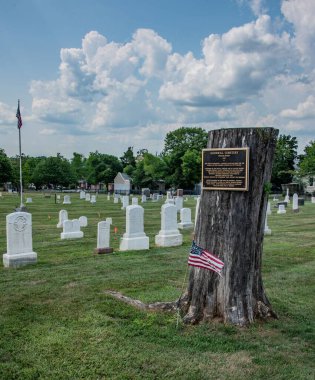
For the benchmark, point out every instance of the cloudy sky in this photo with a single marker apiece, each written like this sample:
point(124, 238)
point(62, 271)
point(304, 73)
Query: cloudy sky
point(107, 74)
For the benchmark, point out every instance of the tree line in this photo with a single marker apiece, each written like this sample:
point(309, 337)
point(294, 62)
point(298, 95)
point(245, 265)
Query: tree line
point(178, 165)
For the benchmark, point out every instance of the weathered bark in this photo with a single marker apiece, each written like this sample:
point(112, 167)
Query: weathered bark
point(231, 225)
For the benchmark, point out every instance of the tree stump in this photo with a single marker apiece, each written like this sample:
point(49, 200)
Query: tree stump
point(230, 225)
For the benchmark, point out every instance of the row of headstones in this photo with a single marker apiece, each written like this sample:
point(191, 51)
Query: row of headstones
point(281, 208)
point(178, 201)
point(83, 195)
point(282, 205)
point(71, 228)
point(124, 199)
point(20, 244)
point(67, 199)
point(169, 236)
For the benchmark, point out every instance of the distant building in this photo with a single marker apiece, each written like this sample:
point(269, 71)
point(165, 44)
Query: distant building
point(122, 184)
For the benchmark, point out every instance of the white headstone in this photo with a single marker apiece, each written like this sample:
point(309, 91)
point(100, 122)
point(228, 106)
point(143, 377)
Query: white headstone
point(185, 218)
point(169, 234)
point(159, 197)
point(170, 201)
point(179, 202)
point(71, 229)
point(82, 194)
point(134, 201)
point(143, 198)
point(313, 199)
point(295, 203)
point(58, 197)
point(108, 197)
point(134, 238)
point(88, 197)
point(19, 240)
point(197, 210)
point(103, 237)
point(66, 200)
point(29, 200)
point(63, 215)
point(93, 199)
point(109, 220)
point(115, 200)
point(267, 230)
point(169, 195)
point(0, 194)
point(125, 201)
point(287, 197)
point(281, 209)
point(83, 221)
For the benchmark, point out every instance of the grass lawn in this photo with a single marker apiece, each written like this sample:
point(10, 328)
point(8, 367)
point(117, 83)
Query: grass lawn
point(57, 322)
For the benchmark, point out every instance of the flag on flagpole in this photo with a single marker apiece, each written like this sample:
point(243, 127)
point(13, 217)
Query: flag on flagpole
point(19, 117)
point(201, 258)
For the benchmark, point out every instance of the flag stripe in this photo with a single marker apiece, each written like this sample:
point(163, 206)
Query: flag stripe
point(203, 259)
point(206, 260)
point(204, 263)
point(213, 258)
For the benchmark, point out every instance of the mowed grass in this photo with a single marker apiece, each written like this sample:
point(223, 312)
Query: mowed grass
point(57, 322)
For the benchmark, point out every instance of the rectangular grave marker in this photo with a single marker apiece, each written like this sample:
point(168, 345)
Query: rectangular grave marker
point(19, 240)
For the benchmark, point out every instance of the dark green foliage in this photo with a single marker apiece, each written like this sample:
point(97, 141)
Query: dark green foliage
point(149, 170)
point(79, 166)
point(102, 168)
point(128, 158)
point(52, 172)
point(182, 153)
point(284, 160)
point(307, 160)
point(6, 169)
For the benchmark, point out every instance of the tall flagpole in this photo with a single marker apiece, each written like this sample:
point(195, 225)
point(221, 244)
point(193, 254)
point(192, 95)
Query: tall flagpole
point(19, 125)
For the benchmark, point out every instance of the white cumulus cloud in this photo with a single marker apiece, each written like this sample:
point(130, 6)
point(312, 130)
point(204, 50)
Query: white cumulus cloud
point(234, 67)
point(134, 92)
point(301, 14)
point(304, 110)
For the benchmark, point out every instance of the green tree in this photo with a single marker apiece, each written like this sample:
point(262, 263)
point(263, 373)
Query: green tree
point(284, 160)
point(102, 168)
point(6, 170)
point(177, 144)
point(128, 158)
point(52, 172)
point(149, 169)
point(307, 160)
point(139, 178)
point(191, 167)
point(28, 166)
point(154, 167)
point(78, 166)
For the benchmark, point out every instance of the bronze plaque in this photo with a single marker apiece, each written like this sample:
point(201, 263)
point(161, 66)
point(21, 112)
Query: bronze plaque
point(225, 169)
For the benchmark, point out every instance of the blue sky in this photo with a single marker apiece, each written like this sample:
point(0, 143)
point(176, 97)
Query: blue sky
point(107, 74)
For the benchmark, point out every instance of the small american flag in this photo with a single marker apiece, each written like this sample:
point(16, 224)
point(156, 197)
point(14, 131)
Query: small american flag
point(19, 117)
point(201, 258)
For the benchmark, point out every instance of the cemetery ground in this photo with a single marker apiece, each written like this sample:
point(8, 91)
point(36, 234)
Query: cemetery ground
point(57, 322)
